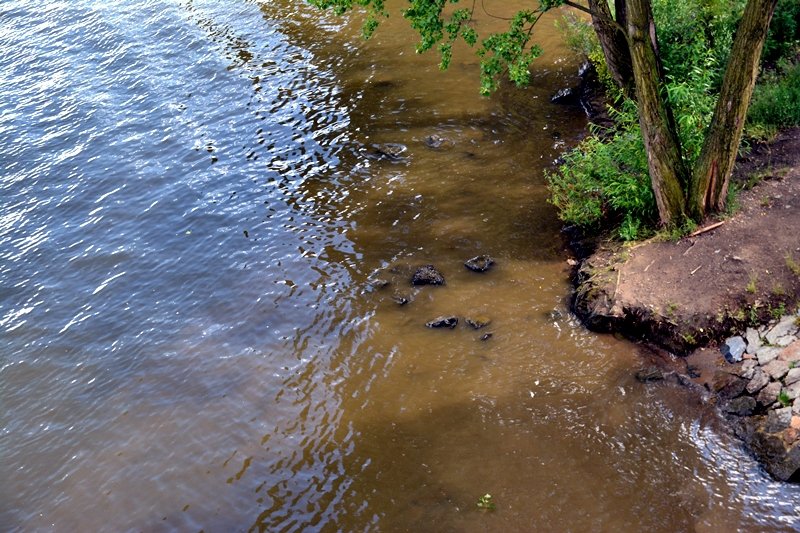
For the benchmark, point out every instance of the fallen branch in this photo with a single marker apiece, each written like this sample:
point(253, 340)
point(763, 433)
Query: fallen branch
point(707, 228)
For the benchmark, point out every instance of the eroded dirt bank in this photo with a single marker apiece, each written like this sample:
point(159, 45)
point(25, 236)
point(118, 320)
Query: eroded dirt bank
point(690, 295)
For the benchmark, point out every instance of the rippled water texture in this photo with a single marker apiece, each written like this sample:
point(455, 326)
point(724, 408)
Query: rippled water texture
point(193, 197)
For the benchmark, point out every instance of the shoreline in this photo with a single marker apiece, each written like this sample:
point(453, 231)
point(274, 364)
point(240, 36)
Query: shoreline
point(689, 296)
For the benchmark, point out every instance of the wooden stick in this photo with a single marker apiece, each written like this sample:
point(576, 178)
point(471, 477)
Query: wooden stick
point(696, 269)
point(707, 228)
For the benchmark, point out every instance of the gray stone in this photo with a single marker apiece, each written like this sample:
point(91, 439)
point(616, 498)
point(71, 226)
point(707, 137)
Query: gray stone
point(753, 340)
point(443, 322)
point(769, 394)
point(793, 391)
point(733, 349)
point(766, 354)
point(791, 354)
point(786, 340)
point(796, 407)
point(786, 326)
point(741, 406)
point(759, 381)
point(792, 377)
point(776, 368)
point(778, 420)
point(427, 275)
point(748, 368)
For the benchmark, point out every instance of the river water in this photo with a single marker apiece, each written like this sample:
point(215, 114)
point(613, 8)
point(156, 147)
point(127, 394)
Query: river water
point(192, 203)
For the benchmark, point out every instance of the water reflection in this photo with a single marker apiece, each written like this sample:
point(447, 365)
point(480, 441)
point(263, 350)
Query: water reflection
point(190, 214)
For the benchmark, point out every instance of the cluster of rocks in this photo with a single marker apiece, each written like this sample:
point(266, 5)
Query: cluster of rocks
point(760, 390)
point(430, 275)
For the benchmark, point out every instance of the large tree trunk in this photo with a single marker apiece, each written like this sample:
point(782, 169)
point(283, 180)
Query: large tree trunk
point(709, 187)
point(668, 173)
point(613, 42)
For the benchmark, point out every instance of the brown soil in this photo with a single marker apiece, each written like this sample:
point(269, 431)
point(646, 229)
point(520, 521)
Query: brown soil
point(693, 292)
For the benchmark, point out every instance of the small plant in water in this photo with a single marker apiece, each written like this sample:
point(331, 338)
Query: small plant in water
point(783, 397)
point(485, 502)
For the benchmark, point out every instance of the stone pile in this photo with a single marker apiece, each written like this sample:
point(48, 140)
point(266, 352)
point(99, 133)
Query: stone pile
point(761, 388)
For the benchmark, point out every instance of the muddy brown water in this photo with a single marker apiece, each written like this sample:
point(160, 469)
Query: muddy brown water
point(192, 203)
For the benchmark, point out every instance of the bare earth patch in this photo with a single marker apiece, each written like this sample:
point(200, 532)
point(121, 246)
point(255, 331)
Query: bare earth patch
point(685, 294)
point(688, 296)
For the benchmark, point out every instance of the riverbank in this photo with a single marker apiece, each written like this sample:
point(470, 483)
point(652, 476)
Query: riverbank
point(688, 296)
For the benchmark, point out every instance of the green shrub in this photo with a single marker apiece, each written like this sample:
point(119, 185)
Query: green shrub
point(776, 100)
point(605, 180)
point(784, 32)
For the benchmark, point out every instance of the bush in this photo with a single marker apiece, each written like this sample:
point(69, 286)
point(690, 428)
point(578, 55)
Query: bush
point(604, 180)
point(784, 32)
point(776, 100)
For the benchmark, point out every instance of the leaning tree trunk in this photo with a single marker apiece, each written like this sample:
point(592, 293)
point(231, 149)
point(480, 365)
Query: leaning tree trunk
point(709, 187)
point(613, 42)
point(668, 173)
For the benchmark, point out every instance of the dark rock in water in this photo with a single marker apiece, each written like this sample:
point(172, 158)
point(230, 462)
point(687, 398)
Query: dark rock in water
point(486, 336)
point(480, 263)
point(437, 141)
point(733, 349)
point(779, 461)
point(427, 275)
point(778, 420)
point(400, 300)
point(443, 322)
point(387, 152)
point(477, 322)
point(651, 373)
point(378, 283)
point(741, 406)
point(728, 386)
point(566, 96)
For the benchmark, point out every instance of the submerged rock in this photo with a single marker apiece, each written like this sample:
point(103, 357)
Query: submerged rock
point(387, 152)
point(477, 322)
point(486, 336)
point(778, 420)
point(400, 300)
point(437, 141)
point(741, 406)
point(448, 322)
point(733, 349)
point(728, 386)
point(567, 96)
point(780, 461)
point(378, 283)
point(649, 374)
point(479, 263)
point(427, 275)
